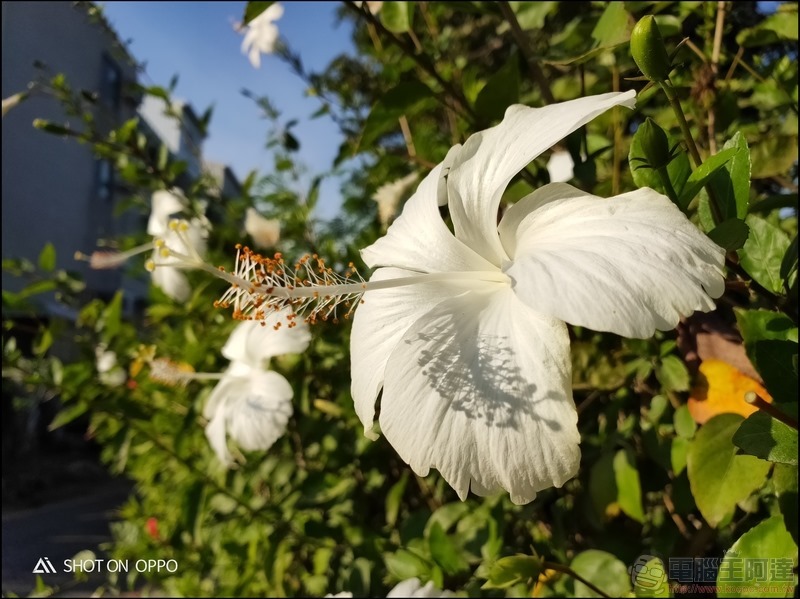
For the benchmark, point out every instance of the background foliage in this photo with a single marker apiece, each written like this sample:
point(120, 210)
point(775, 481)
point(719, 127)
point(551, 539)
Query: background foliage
point(675, 463)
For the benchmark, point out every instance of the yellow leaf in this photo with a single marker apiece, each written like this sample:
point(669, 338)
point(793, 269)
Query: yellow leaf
point(719, 389)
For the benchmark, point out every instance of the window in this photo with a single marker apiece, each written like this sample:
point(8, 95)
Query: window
point(111, 83)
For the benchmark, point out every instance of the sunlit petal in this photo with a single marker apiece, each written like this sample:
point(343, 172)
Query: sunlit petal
point(479, 388)
point(172, 282)
point(251, 342)
point(419, 239)
point(629, 265)
point(258, 417)
point(378, 326)
point(489, 159)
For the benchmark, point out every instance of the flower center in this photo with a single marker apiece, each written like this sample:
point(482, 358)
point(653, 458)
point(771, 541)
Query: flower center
point(260, 284)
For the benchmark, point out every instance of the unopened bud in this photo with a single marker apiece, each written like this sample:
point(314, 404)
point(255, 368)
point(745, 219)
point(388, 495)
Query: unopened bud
point(655, 145)
point(648, 51)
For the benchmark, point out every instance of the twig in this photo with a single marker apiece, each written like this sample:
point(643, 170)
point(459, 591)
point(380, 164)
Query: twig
point(570, 572)
point(754, 399)
point(519, 35)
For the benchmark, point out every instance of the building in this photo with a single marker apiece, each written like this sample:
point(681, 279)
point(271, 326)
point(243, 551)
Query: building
point(54, 189)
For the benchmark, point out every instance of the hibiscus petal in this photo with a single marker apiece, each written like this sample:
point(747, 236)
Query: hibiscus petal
point(379, 324)
point(489, 160)
point(172, 282)
point(629, 265)
point(252, 343)
point(163, 205)
point(215, 413)
point(479, 388)
point(259, 417)
point(419, 239)
point(413, 588)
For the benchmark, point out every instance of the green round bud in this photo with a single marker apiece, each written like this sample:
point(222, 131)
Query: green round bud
point(648, 51)
point(655, 144)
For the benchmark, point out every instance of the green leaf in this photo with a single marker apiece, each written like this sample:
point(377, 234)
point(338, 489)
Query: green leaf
point(509, 571)
point(672, 374)
point(774, 155)
point(677, 454)
point(774, 29)
point(776, 362)
point(397, 16)
point(445, 552)
point(614, 26)
point(769, 545)
point(685, 426)
point(629, 488)
point(719, 478)
point(68, 414)
point(767, 438)
point(789, 266)
point(393, 498)
point(603, 570)
point(43, 343)
point(253, 9)
point(446, 516)
point(784, 480)
point(730, 234)
point(603, 486)
point(731, 184)
point(400, 100)
point(111, 320)
point(532, 15)
point(500, 91)
point(404, 565)
point(761, 325)
point(763, 253)
point(47, 258)
point(703, 173)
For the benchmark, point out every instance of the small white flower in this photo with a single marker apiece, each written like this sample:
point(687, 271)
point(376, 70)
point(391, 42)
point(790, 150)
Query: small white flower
point(250, 403)
point(191, 237)
point(109, 373)
point(389, 196)
point(374, 6)
point(261, 34)
point(265, 232)
point(560, 166)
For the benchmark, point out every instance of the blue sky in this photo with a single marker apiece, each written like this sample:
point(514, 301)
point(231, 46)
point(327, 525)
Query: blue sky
point(197, 41)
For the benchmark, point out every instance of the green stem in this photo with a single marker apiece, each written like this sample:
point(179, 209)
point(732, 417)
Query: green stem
point(675, 103)
point(569, 572)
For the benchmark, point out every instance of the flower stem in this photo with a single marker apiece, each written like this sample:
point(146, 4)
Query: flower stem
point(675, 103)
point(570, 572)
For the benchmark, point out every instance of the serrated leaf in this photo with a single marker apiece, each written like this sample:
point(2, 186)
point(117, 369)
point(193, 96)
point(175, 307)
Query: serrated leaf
point(603, 570)
point(761, 325)
point(769, 543)
point(731, 183)
point(763, 253)
point(703, 173)
point(765, 437)
point(730, 234)
point(784, 480)
point(719, 477)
